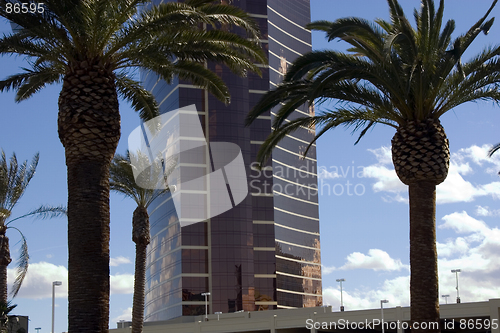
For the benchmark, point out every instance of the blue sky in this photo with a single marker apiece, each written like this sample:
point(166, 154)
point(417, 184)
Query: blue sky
point(364, 233)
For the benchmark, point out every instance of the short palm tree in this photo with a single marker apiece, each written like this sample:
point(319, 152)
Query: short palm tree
point(122, 180)
point(93, 48)
point(403, 77)
point(14, 179)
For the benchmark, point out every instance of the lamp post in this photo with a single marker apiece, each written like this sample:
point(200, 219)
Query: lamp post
point(218, 313)
point(54, 284)
point(382, 312)
point(456, 271)
point(37, 329)
point(341, 298)
point(206, 304)
point(446, 298)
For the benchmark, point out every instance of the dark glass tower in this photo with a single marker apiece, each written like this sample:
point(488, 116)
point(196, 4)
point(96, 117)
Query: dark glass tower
point(264, 253)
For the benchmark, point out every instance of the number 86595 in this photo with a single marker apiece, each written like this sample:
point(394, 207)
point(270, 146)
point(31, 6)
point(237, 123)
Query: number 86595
point(24, 8)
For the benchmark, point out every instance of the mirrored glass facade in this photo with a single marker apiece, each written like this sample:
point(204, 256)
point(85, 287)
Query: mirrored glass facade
point(264, 253)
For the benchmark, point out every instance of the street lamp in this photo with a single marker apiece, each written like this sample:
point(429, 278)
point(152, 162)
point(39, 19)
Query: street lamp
point(37, 329)
point(456, 271)
point(218, 313)
point(446, 298)
point(206, 304)
point(382, 312)
point(54, 284)
point(341, 299)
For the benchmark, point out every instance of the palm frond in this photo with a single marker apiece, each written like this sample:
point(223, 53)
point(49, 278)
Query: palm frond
point(494, 149)
point(220, 14)
point(14, 179)
point(39, 77)
point(141, 99)
point(44, 212)
point(22, 265)
point(32, 80)
point(202, 77)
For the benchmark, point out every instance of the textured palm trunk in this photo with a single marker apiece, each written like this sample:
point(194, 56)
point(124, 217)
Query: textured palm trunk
point(420, 153)
point(424, 288)
point(5, 260)
point(89, 129)
point(141, 237)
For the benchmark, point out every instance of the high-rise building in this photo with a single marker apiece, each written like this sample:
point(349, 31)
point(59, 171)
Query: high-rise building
point(264, 253)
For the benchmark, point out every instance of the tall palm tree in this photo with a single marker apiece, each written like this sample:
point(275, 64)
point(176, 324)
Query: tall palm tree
point(93, 47)
point(14, 179)
point(122, 180)
point(403, 77)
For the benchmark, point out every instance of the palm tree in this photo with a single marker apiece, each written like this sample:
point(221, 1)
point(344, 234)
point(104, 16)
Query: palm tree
point(14, 179)
point(122, 180)
point(399, 76)
point(93, 47)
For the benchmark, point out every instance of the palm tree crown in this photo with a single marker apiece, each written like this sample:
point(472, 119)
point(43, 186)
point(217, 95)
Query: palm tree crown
point(403, 77)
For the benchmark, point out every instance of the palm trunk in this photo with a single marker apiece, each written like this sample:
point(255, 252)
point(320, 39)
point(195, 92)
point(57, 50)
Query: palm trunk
point(88, 245)
point(5, 260)
point(139, 285)
point(424, 289)
point(89, 129)
point(140, 235)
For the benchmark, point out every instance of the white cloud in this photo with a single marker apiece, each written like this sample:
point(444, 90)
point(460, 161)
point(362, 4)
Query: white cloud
point(386, 177)
point(118, 261)
point(38, 281)
point(383, 155)
point(453, 246)
point(387, 180)
point(126, 316)
point(479, 156)
point(376, 259)
point(327, 270)
point(463, 223)
point(483, 211)
point(454, 189)
point(121, 284)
